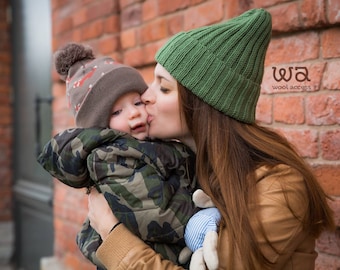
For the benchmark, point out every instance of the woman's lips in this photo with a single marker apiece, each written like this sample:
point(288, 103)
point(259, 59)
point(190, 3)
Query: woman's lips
point(150, 118)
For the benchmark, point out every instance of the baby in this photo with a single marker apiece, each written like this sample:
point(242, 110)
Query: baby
point(148, 184)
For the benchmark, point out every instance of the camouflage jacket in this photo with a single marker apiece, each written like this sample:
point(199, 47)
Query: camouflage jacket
point(148, 184)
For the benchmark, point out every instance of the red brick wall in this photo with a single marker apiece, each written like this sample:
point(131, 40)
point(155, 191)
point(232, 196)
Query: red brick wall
point(306, 37)
point(5, 117)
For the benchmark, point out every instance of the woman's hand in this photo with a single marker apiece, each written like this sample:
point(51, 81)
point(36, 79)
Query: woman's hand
point(102, 220)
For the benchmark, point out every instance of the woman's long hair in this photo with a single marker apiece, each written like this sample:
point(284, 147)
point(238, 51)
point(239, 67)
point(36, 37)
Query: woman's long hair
point(228, 153)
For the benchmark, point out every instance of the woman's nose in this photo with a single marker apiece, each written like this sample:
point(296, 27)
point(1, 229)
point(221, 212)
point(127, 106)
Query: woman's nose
point(148, 96)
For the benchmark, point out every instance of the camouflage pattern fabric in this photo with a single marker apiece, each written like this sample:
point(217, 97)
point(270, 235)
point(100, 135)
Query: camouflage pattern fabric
point(148, 184)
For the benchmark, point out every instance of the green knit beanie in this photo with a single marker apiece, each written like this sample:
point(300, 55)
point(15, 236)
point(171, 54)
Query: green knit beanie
point(222, 64)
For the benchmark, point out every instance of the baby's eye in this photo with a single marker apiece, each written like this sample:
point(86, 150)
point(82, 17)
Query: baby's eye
point(115, 113)
point(139, 103)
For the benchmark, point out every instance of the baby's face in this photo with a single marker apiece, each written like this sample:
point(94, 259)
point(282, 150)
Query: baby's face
point(129, 115)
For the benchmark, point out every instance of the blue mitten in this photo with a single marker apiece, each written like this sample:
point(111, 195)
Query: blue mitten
point(199, 225)
point(201, 235)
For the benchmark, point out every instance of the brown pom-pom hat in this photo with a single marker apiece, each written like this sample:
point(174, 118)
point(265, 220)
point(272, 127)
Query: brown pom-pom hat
point(94, 84)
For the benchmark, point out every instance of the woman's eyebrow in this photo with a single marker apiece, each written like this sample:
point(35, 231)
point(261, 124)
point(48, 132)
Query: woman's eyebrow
point(165, 79)
point(160, 77)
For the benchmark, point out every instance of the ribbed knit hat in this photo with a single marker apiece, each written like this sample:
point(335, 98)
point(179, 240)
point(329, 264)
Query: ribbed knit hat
point(93, 85)
point(222, 64)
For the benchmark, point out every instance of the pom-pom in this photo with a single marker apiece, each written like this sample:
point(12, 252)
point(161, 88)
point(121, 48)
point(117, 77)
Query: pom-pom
point(70, 54)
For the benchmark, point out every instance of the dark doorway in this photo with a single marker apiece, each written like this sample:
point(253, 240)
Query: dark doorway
point(31, 80)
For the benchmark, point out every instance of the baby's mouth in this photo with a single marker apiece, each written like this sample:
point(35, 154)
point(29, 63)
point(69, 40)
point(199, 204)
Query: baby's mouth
point(139, 128)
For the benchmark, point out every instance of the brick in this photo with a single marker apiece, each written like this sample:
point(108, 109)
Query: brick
point(305, 141)
point(128, 38)
point(5, 171)
point(203, 14)
point(175, 24)
point(112, 24)
point(108, 44)
point(6, 119)
point(267, 3)
point(74, 261)
point(155, 30)
point(77, 35)
point(165, 7)
point(149, 52)
point(5, 159)
point(264, 109)
point(58, 89)
point(330, 144)
point(5, 70)
point(335, 205)
point(79, 16)
point(62, 25)
point(6, 174)
point(131, 16)
point(92, 30)
point(288, 109)
point(5, 57)
point(4, 90)
point(5, 204)
point(195, 2)
point(234, 8)
point(117, 56)
point(333, 11)
point(65, 209)
point(134, 57)
point(60, 104)
point(5, 115)
point(323, 109)
point(84, 2)
point(328, 177)
point(141, 56)
point(285, 17)
point(313, 13)
point(60, 192)
point(301, 47)
point(149, 10)
point(62, 120)
point(5, 80)
point(327, 262)
point(330, 40)
point(99, 9)
point(124, 3)
point(59, 3)
point(332, 75)
point(148, 73)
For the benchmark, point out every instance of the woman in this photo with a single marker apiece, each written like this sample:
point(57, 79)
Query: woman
point(206, 86)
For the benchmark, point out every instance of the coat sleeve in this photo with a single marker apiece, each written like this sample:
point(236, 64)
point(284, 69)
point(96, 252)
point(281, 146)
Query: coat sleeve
point(122, 250)
point(282, 217)
point(65, 155)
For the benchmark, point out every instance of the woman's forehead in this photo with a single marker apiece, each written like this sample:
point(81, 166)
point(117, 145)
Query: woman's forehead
point(161, 72)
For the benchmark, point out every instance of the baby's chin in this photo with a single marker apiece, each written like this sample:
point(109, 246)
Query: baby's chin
point(141, 136)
